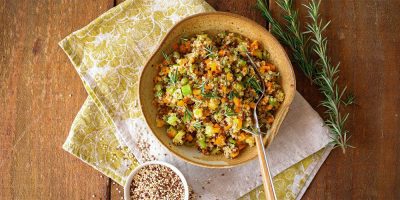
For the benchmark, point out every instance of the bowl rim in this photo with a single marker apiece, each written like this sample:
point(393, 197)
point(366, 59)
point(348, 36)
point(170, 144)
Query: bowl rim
point(127, 185)
point(154, 53)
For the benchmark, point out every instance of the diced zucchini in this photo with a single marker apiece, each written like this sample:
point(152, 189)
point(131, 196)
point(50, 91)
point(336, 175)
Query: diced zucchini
point(250, 141)
point(186, 90)
point(238, 87)
point(170, 90)
point(242, 47)
point(215, 151)
point(178, 139)
point(257, 53)
point(213, 104)
point(241, 62)
point(202, 143)
point(172, 119)
point(159, 93)
point(158, 87)
point(272, 101)
point(232, 141)
point(184, 80)
point(176, 55)
point(210, 131)
point(198, 113)
point(177, 94)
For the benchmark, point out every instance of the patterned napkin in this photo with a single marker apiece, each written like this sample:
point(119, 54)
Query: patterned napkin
point(108, 55)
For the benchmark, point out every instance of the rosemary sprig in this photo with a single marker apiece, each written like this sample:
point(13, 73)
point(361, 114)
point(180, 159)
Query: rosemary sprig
point(188, 115)
point(293, 38)
point(210, 54)
point(166, 57)
point(319, 70)
point(327, 78)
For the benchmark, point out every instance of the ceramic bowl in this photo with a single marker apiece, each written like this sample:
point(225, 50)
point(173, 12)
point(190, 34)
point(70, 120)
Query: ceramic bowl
point(213, 23)
point(127, 186)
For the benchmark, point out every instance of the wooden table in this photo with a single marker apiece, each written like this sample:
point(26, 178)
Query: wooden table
point(40, 94)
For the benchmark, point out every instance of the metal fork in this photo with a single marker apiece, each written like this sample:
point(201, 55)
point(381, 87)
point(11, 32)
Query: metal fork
point(262, 156)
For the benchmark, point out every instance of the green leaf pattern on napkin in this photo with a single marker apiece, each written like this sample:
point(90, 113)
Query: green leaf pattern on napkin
point(108, 55)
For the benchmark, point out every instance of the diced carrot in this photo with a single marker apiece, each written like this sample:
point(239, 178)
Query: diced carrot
point(171, 133)
point(221, 52)
point(273, 68)
point(237, 103)
point(208, 87)
point(265, 68)
point(182, 48)
point(220, 140)
point(209, 74)
point(269, 107)
point(189, 137)
point(227, 127)
point(239, 123)
point(224, 89)
point(254, 44)
point(242, 137)
point(181, 103)
point(241, 145)
point(160, 123)
point(234, 154)
point(186, 100)
point(252, 105)
point(223, 100)
point(175, 47)
point(229, 76)
point(197, 96)
point(165, 70)
point(270, 119)
point(196, 92)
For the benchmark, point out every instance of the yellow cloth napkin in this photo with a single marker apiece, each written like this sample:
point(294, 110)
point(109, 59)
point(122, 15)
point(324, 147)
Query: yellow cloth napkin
point(107, 54)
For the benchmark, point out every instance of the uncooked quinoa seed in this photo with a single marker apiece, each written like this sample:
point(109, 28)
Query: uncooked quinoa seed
point(156, 182)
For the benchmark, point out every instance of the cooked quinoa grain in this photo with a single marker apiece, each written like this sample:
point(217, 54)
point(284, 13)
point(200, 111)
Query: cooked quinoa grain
point(156, 182)
point(206, 89)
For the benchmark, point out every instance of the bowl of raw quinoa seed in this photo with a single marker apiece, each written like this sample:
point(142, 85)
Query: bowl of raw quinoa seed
point(156, 180)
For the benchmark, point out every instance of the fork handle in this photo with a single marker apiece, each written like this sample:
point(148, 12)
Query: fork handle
point(266, 175)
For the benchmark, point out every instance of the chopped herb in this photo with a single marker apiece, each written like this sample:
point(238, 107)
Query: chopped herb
point(232, 94)
point(173, 76)
point(210, 54)
point(254, 84)
point(166, 57)
point(188, 115)
point(209, 95)
point(201, 87)
point(197, 125)
point(229, 111)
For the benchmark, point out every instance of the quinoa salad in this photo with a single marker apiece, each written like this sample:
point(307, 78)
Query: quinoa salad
point(205, 92)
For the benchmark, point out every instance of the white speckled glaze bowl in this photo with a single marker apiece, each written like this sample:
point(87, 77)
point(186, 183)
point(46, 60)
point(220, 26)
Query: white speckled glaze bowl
point(127, 195)
point(213, 23)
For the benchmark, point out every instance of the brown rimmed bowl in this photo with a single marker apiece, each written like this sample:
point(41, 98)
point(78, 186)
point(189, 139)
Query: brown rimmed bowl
point(213, 23)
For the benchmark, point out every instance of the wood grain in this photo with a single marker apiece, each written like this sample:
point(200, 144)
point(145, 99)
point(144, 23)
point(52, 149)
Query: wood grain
point(364, 37)
point(40, 95)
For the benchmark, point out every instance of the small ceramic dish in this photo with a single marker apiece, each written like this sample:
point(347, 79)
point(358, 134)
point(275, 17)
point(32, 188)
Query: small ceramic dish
point(213, 23)
point(127, 186)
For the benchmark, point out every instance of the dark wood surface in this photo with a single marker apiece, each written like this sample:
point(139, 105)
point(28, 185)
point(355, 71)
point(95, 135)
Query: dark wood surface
point(40, 94)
